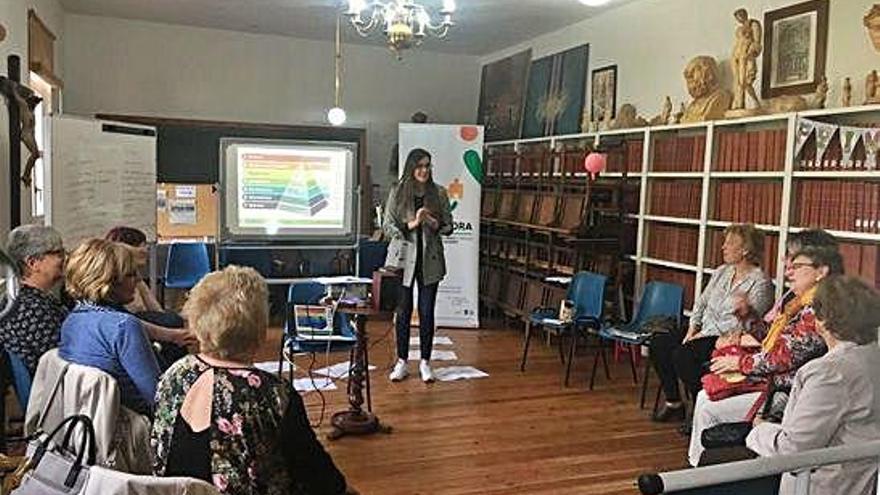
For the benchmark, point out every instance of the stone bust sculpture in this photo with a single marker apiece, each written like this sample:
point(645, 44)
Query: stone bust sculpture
point(710, 101)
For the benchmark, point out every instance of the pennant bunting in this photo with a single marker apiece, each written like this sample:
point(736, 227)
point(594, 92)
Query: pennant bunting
point(824, 133)
point(871, 139)
point(849, 139)
point(804, 130)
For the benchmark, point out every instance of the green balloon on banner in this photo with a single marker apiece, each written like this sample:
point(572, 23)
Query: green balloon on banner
point(474, 165)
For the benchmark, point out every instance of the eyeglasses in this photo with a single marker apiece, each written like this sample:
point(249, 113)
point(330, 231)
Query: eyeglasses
point(795, 266)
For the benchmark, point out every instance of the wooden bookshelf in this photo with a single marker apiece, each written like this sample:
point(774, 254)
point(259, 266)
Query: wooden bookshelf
point(696, 179)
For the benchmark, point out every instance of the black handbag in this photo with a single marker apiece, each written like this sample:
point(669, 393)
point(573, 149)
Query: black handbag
point(734, 434)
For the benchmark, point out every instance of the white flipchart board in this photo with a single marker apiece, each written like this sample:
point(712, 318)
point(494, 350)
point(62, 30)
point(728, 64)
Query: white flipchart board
point(101, 175)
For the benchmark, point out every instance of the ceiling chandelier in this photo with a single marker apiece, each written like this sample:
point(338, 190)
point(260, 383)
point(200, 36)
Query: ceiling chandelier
point(404, 22)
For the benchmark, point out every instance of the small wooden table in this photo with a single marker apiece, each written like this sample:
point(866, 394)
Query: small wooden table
point(355, 420)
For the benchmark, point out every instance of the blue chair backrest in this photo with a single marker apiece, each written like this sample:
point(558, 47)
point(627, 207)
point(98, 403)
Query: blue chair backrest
point(660, 299)
point(587, 291)
point(187, 263)
point(21, 379)
point(372, 257)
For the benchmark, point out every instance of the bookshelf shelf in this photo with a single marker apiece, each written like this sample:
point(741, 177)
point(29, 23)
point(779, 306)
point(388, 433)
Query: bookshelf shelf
point(677, 220)
point(724, 224)
point(669, 264)
point(747, 175)
point(675, 175)
point(836, 174)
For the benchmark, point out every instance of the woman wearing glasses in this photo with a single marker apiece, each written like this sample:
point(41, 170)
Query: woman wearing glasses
point(101, 276)
point(32, 325)
point(789, 342)
point(418, 212)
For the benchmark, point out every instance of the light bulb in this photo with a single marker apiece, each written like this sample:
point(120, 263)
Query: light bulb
point(594, 3)
point(449, 6)
point(336, 116)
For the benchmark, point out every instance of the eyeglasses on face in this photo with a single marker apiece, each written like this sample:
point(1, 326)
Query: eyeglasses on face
point(800, 264)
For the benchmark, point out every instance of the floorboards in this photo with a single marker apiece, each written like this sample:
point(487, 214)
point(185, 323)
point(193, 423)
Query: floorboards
point(511, 433)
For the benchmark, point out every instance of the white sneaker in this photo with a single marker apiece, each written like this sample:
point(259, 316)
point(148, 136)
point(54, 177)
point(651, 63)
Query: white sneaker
point(399, 373)
point(426, 372)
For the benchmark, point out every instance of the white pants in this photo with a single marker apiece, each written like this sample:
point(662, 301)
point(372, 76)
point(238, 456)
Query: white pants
point(708, 413)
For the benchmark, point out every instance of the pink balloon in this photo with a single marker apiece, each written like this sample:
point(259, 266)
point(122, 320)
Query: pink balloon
point(595, 163)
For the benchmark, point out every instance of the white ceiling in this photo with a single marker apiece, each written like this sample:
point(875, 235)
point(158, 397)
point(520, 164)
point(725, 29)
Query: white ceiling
point(483, 26)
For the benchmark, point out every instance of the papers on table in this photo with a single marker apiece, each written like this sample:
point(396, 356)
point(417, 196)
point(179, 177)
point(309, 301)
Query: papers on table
point(438, 340)
point(452, 373)
point(342, 280)
point(558, 280)
point(415, 355)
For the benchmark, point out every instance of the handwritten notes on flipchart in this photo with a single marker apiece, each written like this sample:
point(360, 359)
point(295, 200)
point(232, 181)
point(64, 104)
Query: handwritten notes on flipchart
point(101, 178)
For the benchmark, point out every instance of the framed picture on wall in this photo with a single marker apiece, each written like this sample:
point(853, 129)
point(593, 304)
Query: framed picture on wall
point(603, 92)
point(795, 42)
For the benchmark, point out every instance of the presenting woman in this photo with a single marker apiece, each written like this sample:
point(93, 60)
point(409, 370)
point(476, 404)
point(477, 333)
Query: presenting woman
point(418, 213)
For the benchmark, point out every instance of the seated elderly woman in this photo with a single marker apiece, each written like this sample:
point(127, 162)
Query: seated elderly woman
point(101, 276)
point(161, 325)
point(33, 324)
point(713, 316)
point(220, 419)
point(790, 342)
point(835, 399)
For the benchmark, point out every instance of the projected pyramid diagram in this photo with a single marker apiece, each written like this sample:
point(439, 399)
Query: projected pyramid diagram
point(303, 197)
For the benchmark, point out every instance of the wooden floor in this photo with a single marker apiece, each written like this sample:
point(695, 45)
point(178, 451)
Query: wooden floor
point(511, 433)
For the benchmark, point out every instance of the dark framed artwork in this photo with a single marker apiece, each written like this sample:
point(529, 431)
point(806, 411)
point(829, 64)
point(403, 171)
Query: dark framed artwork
point(603, 92)
point(556, 93)
point(795, 43)
point(502, 89)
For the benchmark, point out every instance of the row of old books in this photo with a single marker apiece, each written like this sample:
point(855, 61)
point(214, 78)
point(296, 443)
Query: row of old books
point(714, 257)
point(861, 260)
point(679, 154)
point(852, 206)
point(674, 276)
point(675, 198)
point(672, 243)
point(752, 151)
point(748, 201)
point(628, 158)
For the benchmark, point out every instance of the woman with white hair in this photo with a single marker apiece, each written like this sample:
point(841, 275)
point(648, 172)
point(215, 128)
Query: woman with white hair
point(33, 323)
point(220, 419)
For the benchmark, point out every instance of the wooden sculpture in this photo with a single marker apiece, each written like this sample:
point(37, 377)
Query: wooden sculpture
point(628, 118)
point(871, 82)
point(797, 103)
point(710, 101)
point(872, 25)
point(746, 50)
point(846, 93)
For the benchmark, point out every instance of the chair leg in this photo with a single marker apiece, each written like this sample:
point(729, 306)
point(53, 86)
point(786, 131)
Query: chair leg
point(595, 364)
point(657, 399)
point(570, 355)
point(645, 385)
point(559, 347)
point(367, 375)
point(632, 364)
point(522, 364)
point(604, 362)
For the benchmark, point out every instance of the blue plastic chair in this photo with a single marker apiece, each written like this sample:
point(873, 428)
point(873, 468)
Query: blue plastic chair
point(311, 293)
point(21, 379)
point(258, 259)
point(587, 292)
point(186, 264)
point(658, 299)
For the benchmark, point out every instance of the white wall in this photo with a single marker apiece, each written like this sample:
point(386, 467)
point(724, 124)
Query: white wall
point(652, 40)
point(134, 67)
point(13, 16)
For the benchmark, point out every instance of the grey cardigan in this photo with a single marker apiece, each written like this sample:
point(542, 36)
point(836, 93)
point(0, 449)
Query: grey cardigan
point(433, 259)
point(835, 400)
point(713, 311)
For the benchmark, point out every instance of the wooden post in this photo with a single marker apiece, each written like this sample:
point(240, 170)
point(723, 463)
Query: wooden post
point(13, 69)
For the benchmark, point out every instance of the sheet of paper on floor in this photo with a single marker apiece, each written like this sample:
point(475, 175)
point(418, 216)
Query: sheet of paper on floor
point(438, 340)
point(452, 373)
point(320, 382)
point(272, 366)
point(338, 370)
point(436, 355)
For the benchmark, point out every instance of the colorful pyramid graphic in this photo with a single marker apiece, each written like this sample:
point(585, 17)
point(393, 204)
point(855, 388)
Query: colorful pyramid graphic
point(303, 197)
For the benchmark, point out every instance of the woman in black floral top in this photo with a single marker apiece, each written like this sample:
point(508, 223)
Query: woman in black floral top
point(33, 323)
point(220, 419)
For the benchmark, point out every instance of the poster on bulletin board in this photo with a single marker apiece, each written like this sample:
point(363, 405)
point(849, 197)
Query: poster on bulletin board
point(456, 155)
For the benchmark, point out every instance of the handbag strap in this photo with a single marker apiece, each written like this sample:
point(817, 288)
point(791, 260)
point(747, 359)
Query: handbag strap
point(71, 423)
point(762, 400)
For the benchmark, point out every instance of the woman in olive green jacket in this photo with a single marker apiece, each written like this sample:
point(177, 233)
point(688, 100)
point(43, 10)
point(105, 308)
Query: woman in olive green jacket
point(417, 211)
